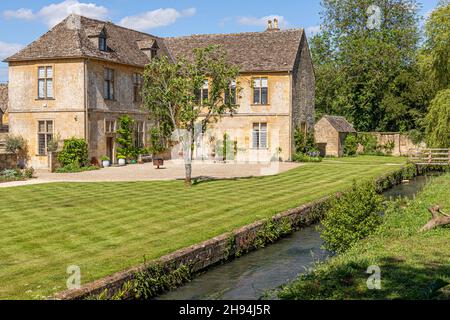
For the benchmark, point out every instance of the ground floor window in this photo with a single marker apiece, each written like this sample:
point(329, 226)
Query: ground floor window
point(110, 126)
point(139, 134)
point(45, 136)
point(259, 135)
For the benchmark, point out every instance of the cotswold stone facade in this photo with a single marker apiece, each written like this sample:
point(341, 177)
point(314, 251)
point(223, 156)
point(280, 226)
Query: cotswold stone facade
point(81, 76)
point(330, 134)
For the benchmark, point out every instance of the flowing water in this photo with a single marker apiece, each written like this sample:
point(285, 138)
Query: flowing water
point(250, 276)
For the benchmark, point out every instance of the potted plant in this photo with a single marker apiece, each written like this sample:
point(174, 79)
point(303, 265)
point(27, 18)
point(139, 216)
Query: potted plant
point(106, 161)
point(122, 160)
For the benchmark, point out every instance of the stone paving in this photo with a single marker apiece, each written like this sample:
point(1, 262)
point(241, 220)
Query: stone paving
point(171, 170)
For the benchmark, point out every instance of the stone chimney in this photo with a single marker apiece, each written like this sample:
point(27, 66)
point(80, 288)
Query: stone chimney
point(269, 25)
point(275, 25)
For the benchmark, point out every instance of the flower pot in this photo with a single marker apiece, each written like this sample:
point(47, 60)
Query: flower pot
point(122, 162)
point(158, 162)
point(106, 163)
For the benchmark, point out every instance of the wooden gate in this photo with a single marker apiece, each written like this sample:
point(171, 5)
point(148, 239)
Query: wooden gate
point(430, 157)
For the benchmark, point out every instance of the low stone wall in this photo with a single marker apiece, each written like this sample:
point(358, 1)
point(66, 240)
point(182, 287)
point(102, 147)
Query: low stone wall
point(8, 161)
point(204, 255)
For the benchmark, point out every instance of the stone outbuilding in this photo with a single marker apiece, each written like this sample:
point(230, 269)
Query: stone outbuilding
point(330, 134)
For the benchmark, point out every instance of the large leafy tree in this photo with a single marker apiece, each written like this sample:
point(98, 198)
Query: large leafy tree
point(356, 62)
point(438, 121)
point(172, 94)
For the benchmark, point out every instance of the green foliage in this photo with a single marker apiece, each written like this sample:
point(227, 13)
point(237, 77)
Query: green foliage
point(437, 45)
point(125, 137)
point(272, 231)
point(350, 145)
point(157, 143)
point(353, 216)
point(105, 158)
point(388, 147)
point(74, 152)
point(353, 73)
point(402, 253)
point(74, 168)
point(171, 91)
point(16, 174)
point(438, 121)
point(370, 144)
point(28, 173)
point(300, 157)
point(15, 144)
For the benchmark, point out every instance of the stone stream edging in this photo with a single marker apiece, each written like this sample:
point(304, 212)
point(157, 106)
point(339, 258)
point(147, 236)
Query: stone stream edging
point(224, 247)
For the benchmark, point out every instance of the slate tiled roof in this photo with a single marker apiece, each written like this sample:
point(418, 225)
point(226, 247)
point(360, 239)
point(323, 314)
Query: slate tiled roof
point(3, 97)
point(251, 51)
point(340, 124)
point(70, 39)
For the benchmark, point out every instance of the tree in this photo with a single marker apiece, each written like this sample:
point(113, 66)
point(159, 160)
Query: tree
point(437, 45)
point(355, 63)
point(172, 94)
point(437, 130)
point(125, 137)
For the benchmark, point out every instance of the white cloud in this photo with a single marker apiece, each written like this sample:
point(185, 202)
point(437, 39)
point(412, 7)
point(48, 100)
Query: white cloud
point(56, 12)
point(8, 49)
point(25, 14)
point(312, 31)
point(157, 18)
point(262, 22)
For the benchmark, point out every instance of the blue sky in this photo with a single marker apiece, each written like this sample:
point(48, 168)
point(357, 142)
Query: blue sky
point(22, 21)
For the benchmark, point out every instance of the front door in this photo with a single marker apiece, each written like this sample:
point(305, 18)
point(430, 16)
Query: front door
point(109, 148)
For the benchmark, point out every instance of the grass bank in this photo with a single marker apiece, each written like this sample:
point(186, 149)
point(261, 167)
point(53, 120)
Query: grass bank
point(107, 227)
point(413, 265)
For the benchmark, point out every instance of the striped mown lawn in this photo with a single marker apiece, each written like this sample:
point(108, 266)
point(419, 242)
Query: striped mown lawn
point(107, 227)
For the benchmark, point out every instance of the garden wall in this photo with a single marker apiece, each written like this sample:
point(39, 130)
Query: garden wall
point(8, 161)
point(402, 143)
point(224, 247)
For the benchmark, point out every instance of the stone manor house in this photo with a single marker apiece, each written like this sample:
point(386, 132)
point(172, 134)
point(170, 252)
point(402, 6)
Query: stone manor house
point(82, 75)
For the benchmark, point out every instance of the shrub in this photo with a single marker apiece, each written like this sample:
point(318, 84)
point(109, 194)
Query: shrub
point(304, 142)
point(28, 173)
point(125, 137)
point(11, 174)
point(353, 216)
point(350, 145)
point(370, 144)
point(74, 152)
point(15, 144)
point(389, 147)
point(300, 157)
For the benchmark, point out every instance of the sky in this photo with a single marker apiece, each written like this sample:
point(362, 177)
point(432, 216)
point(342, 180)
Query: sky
point(22, 22)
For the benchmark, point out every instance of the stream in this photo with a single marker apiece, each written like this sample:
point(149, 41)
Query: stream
point(250, 276)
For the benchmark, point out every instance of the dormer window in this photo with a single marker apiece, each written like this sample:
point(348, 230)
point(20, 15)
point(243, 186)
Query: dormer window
point(149, 47)
point(102, 43)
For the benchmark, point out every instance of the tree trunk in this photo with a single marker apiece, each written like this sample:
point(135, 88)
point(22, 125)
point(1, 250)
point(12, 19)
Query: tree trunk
point(188, 159)
point(437, 219)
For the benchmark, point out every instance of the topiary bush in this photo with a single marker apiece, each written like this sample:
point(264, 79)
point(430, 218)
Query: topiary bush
point(74, 153)
point(353, 216)
point(350, 145)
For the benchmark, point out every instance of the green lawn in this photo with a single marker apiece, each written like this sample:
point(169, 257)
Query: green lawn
point(413, 265)
point(107, 227)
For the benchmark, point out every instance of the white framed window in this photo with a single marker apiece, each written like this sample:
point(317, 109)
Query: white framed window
point(203, 95)
point(109, 84)
point(137, 87)
point(260, 91)
point(110, 126)
point(45, 135)
point(45, 82)
point(259, 136)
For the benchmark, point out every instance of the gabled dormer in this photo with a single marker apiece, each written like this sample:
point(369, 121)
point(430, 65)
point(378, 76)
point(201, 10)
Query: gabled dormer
point(149, 47)
point(98, 37)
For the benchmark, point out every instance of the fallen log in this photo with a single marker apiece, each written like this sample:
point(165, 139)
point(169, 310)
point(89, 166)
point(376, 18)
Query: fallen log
point(439, 218)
